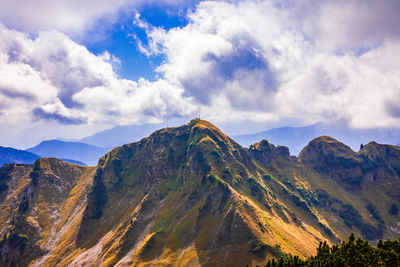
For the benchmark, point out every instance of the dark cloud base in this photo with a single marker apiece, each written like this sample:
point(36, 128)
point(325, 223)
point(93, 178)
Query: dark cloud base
point(39, 113)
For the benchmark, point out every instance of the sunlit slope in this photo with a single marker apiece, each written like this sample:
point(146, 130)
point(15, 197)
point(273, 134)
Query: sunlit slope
point(41, 210)
point(191, 196)
point(187, 195)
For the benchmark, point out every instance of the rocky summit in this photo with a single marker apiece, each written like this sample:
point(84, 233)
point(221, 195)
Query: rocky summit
point(192, 196)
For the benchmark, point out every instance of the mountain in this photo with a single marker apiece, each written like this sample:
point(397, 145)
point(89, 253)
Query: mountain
point(120, 135)
point(11, 155)
point(75, 151)
point(293, 137)
point(297, 137)
point(46, 200)
point(192, 196)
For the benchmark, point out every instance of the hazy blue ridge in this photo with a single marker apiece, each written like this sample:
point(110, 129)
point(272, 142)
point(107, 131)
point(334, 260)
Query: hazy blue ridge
point(295, 138)
point(75, 151)
point(120, 135)
point(12, 155)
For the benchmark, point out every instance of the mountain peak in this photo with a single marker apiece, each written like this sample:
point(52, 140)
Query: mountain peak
point(376, 151)
point(326, 145)
point(324, 139)
point(203, 124)
point(264, 151)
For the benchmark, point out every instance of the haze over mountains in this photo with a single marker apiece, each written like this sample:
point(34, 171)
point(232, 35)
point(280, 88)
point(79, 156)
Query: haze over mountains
point(11, 155)
point(85, 153)
point(297, 137)
point(191, 195)
point(88, 149)
point(120, 135)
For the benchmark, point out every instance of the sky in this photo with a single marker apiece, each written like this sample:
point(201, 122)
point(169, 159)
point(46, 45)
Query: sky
point(70, 68)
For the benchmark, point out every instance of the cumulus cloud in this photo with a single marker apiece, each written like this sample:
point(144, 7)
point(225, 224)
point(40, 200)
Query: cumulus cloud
point(73, 17)
point(271, 60)
point(53, 78)
point(343, 25)
point(256, 60)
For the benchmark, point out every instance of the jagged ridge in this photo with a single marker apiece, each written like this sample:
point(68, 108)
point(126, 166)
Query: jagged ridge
point(191, 195)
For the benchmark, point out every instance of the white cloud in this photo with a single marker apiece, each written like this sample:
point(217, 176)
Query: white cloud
point(342, 25)
point(260, 60)
point(237, 61)
point(73, 17)
point(53, 78)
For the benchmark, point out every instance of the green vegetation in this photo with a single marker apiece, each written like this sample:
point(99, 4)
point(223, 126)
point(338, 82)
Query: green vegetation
point(394, 209)
point(5, 171)
point(267, 177)
point(117, 167)
point(374, 212)
point(351, 218)
point(98, 194)
point(35, 173)
point(324, 199)
point(299, 202)
point(355, 180)
point(260, 249)
point(351, 253)
point(23, 205)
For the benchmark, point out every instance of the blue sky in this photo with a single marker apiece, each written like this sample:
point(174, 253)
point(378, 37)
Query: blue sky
point(122, 37)
point(71, 68)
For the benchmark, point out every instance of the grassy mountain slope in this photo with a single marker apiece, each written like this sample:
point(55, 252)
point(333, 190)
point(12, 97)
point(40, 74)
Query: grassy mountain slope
point(364, 185)
point(85, 153)
point(41, 210)
point(213, 207)
point(190, 195)
point(11, 155)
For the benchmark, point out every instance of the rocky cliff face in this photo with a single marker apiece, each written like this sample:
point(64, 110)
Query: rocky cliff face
point(192, 196)
point(264, 152)
point(40, 206)
point(371, 177)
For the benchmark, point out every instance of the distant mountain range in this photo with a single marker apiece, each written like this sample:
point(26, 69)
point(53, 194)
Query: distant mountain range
point(17, 156)
point(297, 137)
point(86, 151)
point(125, 134)
point(12, 155)
point(75, 151)
point(120, 135)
